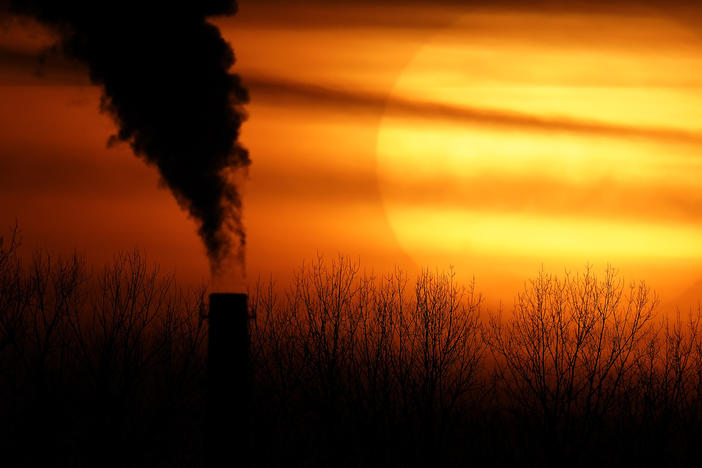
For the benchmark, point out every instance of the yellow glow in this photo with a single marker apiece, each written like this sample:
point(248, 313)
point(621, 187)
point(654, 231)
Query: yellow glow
point(466, 232)
point(421, 150)
point(632, 75)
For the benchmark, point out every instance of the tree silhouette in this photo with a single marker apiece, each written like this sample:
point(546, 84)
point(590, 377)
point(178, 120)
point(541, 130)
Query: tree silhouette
point(106, 368)
point(567, 353)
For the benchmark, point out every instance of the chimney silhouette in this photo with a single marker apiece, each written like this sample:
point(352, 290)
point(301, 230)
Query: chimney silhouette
point(228, 382)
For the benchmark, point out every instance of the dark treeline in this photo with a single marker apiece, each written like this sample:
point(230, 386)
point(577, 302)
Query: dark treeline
point(106, 368)
point(98, 368)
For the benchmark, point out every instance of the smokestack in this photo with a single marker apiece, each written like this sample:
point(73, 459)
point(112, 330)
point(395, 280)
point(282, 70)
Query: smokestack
point(228, 382)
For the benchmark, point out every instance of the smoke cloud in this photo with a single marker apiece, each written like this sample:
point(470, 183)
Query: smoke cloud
point(164, 71)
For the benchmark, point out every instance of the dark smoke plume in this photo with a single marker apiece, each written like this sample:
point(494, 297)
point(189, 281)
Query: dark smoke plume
point(164, 71)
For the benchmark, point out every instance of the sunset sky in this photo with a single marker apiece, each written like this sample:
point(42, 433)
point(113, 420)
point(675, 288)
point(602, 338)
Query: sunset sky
point(423, 134)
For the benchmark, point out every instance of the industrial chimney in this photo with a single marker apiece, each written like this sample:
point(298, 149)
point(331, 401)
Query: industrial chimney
point(228, 382)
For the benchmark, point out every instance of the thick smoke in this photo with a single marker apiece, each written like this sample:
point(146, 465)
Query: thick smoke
point(164, 71)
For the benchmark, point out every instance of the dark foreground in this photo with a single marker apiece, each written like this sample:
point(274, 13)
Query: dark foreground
point(108, 369)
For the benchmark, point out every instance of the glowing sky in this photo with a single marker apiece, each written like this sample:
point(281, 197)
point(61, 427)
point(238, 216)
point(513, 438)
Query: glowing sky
point(570, 150)
point(496, 140)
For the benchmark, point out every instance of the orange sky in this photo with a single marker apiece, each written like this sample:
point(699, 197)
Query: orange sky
point(497, 140)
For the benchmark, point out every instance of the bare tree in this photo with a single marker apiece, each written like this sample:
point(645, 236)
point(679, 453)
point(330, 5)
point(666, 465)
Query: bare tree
point(442, 352)
point(569, 349)
point(369, 355)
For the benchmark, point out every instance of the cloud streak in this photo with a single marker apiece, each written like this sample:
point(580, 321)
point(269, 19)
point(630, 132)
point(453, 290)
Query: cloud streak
point(312, 96)
point(277, 91)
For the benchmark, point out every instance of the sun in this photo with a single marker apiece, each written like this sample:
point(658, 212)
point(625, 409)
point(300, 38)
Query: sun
point(581, 164)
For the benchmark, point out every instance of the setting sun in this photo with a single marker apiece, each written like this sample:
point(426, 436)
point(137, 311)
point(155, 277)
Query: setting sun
point(552, 143)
